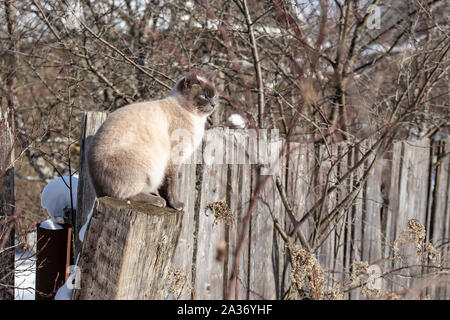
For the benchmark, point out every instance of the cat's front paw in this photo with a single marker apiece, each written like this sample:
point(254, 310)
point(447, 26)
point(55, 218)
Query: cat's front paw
point(150, 199)
point(177, 205)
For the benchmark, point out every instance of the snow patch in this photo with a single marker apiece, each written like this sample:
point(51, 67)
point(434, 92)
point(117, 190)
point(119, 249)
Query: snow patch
point(84, 227)
point(65, 291)
point(236, 120)
point(25, 270)
point(50, 224)
point(56, 197)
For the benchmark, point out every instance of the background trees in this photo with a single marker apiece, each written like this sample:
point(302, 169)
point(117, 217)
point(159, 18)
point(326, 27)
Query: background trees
point(319, 71)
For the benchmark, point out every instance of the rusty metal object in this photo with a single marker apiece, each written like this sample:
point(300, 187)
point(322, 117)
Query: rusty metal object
point(54, 256)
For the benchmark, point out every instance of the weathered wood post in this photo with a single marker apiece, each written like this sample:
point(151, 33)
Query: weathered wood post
point(6, 209)
point(90, 123)
point(7, 203)
point(127, 251)
point(6, 213)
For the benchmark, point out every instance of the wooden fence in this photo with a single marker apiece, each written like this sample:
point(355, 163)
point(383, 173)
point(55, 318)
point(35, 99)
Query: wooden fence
point(7, 205)
point(410, 182)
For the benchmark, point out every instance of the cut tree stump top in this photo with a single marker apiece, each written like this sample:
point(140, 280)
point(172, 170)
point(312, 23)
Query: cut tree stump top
point(139, 207)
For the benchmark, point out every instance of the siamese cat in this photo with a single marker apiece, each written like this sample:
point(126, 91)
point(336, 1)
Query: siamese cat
point(136, 153)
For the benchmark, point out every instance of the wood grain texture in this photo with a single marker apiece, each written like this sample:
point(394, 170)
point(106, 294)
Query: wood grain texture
point(127, 251)
point(6, 210)
point(371, 221)
point(209, 277)
point(238, 196)
point(184, 252)
point(301, 170)
point(440, 216)
point(91, 122)
point(327, 178)
point(399, 188)
point(410, 202)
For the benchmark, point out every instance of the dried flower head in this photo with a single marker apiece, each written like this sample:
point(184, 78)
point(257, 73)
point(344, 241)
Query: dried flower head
point(416, 233)
point(177, 280)
point(307, 274)
point(221, 212)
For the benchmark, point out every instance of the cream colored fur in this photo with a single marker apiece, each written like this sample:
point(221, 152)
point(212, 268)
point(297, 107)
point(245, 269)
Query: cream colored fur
point(132, 149)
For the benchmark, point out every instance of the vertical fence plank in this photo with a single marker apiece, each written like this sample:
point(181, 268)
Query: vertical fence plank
point(392, 209)
point(6, 210)
point(440, 216)
point(300, 192)
point(266, 258)
point(344, 153)
point(412, 204)
point(325, 253)
point(353, 221)
point(371, 222)
point(185, 249)
point(209, 278)
point(239, 194)
point(91, 122)
point(263, 268)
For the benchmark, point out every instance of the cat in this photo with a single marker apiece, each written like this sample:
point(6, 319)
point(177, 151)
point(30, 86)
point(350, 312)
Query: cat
point(136, 153)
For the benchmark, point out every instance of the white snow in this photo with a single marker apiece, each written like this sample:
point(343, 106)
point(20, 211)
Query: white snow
point(65, 291)
point(56, 197)
point(25, 272)
point(236, 120)
point(50, 225)
point(84, 227)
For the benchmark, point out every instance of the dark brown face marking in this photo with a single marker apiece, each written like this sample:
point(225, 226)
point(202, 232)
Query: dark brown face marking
point(199, 91)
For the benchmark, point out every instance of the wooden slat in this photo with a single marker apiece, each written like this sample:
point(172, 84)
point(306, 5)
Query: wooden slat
point(441, 218)
point(266, 258)
point(90, 123)
point(184, 252)
point(6, 210)
point(392, 210)
point(300, 185)
point(412, 204)
point(239, 193)
point(356, 224)
point(263, 270)
point(209, 271)
point(339, 233)
point(371, 222)
point(325, 253)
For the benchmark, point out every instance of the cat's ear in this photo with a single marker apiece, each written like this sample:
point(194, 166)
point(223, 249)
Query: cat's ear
point(211, 76)
point(190, 79)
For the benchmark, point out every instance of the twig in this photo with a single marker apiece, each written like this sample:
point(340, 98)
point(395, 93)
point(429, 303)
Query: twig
point(256, 63)
point(288, 208)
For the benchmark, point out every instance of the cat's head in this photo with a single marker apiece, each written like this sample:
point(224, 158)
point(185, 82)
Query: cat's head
point(198, 92)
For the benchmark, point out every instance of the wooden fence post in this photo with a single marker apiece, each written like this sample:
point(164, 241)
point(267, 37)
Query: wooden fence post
point(127, 251)
point(7, 202)
point(90, 123)
point(6, 210)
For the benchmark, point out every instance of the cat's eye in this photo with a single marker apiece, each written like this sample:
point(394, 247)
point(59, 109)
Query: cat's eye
point(203, 96)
